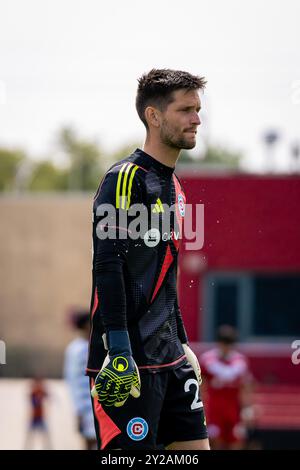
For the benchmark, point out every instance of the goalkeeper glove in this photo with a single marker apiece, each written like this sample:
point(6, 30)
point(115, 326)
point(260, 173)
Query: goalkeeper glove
point(119, 375)
point(193, 361)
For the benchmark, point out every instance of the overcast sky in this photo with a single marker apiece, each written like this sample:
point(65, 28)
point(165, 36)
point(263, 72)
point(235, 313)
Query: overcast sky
point(77, 62)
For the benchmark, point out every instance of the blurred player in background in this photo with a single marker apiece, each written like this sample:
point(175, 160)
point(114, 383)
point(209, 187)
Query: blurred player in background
point(228, 385)
point(138, 341)
point(37, 425)
point(74, 373)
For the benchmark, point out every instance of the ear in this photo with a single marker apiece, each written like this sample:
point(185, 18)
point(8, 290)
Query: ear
point(153, 116)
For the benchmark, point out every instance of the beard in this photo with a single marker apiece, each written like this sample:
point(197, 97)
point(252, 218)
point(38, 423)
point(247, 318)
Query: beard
point(169, 136)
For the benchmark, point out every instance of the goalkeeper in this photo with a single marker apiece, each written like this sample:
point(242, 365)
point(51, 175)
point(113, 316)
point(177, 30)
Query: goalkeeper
point(144, 377)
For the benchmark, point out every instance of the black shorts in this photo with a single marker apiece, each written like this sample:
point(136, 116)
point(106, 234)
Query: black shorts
point(169, 409)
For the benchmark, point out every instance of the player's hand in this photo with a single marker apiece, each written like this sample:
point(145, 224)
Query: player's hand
point(119, 376)
point(247, 415)
point(193, 361)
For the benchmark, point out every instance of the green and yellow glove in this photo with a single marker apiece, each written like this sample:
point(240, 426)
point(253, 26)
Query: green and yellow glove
point(119, 376)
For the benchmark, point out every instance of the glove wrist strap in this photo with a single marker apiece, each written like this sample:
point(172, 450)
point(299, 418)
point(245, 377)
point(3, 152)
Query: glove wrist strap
point(118, 342)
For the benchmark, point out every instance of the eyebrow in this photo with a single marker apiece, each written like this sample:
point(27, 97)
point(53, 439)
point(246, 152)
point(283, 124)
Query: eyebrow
point(191, 107)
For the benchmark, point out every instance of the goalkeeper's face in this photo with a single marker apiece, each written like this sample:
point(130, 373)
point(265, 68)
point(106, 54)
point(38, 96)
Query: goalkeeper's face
point(180, 120)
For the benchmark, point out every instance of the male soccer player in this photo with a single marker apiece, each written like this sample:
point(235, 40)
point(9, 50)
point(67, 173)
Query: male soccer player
point(38, 422)
point(229, 382)
point(144, 377)
point(74, 366)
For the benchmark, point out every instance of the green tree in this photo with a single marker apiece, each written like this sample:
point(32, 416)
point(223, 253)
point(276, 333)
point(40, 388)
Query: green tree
point(216, 155)
point(186, 157)
point(213, 156)
point(124, 151)
point(10, 163)
point(46, 176)
point(84, 159)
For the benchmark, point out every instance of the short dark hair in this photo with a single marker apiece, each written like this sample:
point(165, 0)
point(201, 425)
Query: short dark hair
point(80, 319)
point(226, 334)
point(157, 86)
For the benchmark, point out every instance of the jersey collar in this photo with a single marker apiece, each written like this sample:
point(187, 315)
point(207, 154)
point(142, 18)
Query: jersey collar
point(148, 162)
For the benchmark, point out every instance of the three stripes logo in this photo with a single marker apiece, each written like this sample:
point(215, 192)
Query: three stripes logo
point(124, 185)
point(158, 207)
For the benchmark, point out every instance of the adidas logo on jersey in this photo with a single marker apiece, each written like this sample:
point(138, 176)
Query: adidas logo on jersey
point(158, 207)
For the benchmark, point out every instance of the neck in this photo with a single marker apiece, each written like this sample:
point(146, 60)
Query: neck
point(163, 153)
point(224, 351)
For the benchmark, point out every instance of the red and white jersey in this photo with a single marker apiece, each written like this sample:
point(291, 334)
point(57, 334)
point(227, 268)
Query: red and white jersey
point(223, 371)
point(224, 378)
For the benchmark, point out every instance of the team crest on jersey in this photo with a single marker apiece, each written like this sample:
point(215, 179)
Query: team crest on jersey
point(181, 205)
point(137, 429)
point(152, 237)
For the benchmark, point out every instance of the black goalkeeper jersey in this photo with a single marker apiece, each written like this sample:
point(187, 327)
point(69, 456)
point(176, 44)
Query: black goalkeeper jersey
point(135, 263)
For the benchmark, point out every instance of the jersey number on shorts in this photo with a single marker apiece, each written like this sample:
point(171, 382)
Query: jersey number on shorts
point(196, 402)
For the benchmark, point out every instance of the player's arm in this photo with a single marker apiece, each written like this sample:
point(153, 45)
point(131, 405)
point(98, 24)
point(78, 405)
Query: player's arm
point(246, 398)
point(119, 375)
point(190, 355)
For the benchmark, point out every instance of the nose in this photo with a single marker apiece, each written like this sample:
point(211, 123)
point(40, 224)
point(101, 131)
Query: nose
point(196, 119)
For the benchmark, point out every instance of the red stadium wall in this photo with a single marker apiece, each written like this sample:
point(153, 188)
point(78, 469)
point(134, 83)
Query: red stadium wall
point(252, 223)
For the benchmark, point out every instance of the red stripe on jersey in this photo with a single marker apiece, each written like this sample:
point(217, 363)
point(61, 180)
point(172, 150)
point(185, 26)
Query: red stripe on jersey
point(144, 169)
point(96, 302)
point(107, 428)
point(164, 365)
point(166, 264)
